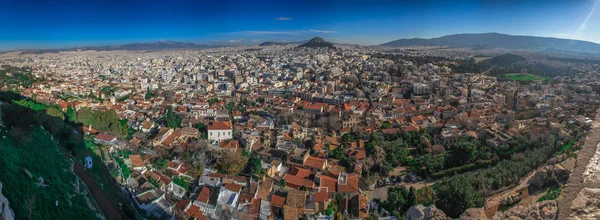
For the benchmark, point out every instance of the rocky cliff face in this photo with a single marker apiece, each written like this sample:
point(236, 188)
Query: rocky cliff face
point(586, 205)
point(540, 210)
point(420, 212)
point(580, 199)
point(547, 173)
point(473, 214)
point(5, 212)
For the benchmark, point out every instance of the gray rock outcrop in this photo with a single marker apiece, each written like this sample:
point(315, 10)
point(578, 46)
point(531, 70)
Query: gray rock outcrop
point(547, 173)
point(586, 205)
point(420, 212)
point(473, 214)
point(5, 212)
point(541, 210)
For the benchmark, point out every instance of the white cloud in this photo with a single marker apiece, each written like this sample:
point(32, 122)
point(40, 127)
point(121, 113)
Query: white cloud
point(284, 19)
point(562, 35)
point(323, 31)
point(236, 40)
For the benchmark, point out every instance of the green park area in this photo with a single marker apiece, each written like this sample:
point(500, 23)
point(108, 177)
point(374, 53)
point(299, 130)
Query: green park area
point(521, 77)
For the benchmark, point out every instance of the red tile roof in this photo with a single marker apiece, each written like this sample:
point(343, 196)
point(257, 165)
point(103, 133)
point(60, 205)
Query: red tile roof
point(220, 125)
point(136, 160)
point(321, 196)
point(204, 195)
point(105, 137)
point(254, 209)
point(358, 153)
point(173, 164)
point(277, 201)
point(194, 211)
point(315, 162)
point(351, 184)
point(327, 182)
point(232, 187)
point(299, 177)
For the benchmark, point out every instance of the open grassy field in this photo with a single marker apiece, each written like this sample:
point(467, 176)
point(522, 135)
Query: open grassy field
point(479, 59)
point(527, 77)
point(21, 166)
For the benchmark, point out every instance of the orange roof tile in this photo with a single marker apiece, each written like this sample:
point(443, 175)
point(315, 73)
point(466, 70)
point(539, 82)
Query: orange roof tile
point(299, 177)
point(194, 211)
point(136, 160)
point(351, 184)
point(232, 187)
point(204, 195)
point(315, 162)
point(219, 125)
point(277, 200)
point(321, 196)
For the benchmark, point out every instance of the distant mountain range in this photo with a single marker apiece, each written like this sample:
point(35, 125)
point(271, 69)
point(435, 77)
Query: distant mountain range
point(157, 45)
point(495, 40)
point(271, 43)
point(475, 41)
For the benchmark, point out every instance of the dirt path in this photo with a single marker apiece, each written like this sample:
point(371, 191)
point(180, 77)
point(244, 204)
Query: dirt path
point(575, 183)
point(108, 208)
point(498, 197)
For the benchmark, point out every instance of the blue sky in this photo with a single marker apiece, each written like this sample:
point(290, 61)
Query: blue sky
point(61, 23)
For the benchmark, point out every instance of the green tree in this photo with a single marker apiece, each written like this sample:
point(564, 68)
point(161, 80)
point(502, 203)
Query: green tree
point(425, 196)
point(212, 101)
point(161, 164)
point(203, 130)
point(457, 195)
point(255, 165)
point(70, 113)
point(148, 95)
point(397, 152)
point(231, 162)
point(434, 163)
point(182, 182)
point(397, 201)
point(411, 197)
point(172, 120)
point(385, 125)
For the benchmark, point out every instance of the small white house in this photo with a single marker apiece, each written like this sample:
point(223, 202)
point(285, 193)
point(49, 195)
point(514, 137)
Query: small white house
point(88, 162)
point(219, 131)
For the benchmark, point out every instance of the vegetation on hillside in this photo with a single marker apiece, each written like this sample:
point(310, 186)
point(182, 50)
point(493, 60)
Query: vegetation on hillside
point(22, 130)
point(24, 164)
point(550, 195)
point(107, 121)
point(14, 77)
